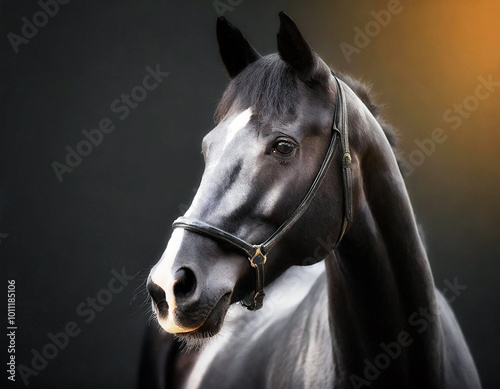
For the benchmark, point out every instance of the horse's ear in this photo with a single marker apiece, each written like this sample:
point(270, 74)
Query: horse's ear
point(236, 52)
point(296, 52)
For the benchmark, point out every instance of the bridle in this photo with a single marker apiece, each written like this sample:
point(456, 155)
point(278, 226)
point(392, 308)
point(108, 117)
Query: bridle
point(257, 254)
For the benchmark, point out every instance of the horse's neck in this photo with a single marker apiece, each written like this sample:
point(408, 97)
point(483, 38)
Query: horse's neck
point(380, 281)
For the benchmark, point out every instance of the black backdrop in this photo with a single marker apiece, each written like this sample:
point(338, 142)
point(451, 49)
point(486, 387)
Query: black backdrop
point(61, 241)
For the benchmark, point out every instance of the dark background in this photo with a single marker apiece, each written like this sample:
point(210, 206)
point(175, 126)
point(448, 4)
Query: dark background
point(114, 210)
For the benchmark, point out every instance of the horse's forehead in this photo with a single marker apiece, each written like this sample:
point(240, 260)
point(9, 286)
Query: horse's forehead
point(247, 121)
point(232, 124)
point(222, 136)
point(236, 123)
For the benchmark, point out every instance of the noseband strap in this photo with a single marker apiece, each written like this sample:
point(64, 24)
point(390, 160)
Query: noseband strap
point(257, 254)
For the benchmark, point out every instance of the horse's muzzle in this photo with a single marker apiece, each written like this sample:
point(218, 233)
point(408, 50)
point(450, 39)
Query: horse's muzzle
point(184, 310)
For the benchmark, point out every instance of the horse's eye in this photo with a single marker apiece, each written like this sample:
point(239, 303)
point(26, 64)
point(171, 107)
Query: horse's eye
point(284, 148)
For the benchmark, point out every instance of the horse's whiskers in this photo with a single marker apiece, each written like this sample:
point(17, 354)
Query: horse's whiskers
point(194, 341)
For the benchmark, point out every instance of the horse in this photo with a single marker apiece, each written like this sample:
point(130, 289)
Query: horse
point(302, 216)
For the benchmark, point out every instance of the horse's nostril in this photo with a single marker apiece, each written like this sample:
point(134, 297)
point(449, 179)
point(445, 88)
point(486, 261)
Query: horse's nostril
point(157, 294)
point(185, 283)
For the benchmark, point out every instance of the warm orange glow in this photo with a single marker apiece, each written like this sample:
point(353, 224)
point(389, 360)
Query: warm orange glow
point(424, 62)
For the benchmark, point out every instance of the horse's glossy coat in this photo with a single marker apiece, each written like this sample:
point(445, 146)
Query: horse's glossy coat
point(368, 315)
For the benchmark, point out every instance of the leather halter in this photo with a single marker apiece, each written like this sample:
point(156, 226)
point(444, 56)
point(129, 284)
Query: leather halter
point(257, 254)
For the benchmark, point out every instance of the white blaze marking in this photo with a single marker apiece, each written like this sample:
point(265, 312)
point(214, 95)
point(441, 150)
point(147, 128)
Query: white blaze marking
point(236, 123)
point(162, 274)
point(239, 122)
point(163, 277)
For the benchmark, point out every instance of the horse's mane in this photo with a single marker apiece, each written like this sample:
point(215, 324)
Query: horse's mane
point(365, 94)
point(270, 85)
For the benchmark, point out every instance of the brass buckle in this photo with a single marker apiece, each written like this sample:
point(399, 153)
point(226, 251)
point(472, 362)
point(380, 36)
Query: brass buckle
point(258, 253)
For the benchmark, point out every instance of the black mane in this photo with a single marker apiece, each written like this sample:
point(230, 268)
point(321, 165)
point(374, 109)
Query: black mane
point(363, 91)
point(270, 85)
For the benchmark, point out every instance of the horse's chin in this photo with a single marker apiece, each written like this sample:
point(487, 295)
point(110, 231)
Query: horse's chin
point(194, 340)
point(210, 327)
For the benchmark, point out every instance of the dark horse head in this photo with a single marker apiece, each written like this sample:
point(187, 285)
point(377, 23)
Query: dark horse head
point(273, 128)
